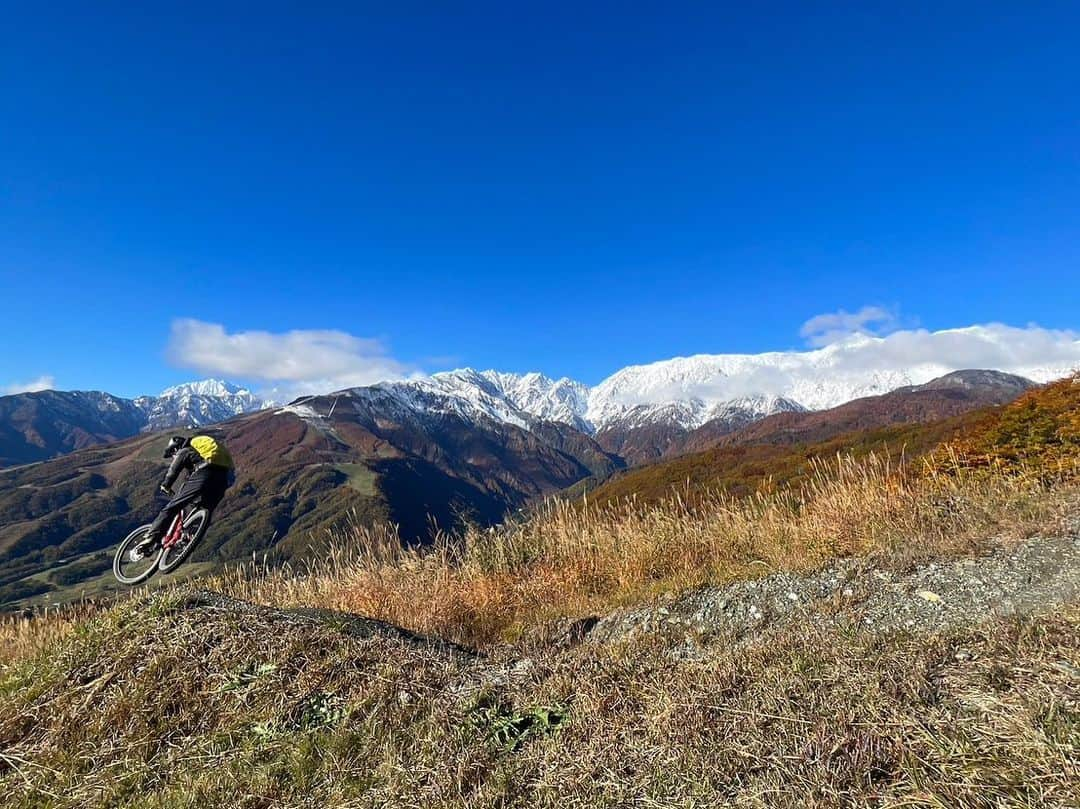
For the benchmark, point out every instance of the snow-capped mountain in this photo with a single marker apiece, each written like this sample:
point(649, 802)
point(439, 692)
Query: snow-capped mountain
point(694, 412)
point(525, 399)
point(688, 392)
point(561, 400)
point(518, 399)
point(854, 368)
point(195, 404)
point(637, 432)
point(640, 414)
point(658, 402)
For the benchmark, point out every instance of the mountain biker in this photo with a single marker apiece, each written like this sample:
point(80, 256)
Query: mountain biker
point(210, 473)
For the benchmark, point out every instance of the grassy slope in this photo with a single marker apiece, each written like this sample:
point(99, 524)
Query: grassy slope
point(184, 706)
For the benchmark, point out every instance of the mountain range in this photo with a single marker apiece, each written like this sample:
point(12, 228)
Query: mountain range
point(906, 422)
point(641, 412)
point(688, 392)
point(45, 424)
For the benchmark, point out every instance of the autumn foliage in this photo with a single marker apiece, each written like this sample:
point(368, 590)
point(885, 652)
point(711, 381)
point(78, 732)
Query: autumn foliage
point(1038, 433)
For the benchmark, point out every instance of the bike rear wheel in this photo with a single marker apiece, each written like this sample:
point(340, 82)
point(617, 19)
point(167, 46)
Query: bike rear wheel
point(130, 566)
point(195, 525)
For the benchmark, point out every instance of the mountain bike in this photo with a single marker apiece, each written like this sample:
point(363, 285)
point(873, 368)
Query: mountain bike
point(186, 531)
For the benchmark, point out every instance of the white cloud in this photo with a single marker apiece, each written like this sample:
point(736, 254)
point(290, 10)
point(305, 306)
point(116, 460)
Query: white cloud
point(1041, 354)
point(291, 363)
point(41, 383)
point(822, 330)
point(857, 365)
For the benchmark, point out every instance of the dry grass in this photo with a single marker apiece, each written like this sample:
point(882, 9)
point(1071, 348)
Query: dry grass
point(170, 703)
point(23, 636)
point(486, 585)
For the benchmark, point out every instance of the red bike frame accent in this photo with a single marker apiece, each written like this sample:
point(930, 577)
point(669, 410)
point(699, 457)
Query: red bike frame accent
point(176, 530)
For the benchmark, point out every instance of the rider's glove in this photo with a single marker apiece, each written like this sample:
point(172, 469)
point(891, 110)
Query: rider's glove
point(165, 489)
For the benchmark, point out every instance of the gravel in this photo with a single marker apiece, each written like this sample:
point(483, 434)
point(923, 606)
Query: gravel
point(1038, 575)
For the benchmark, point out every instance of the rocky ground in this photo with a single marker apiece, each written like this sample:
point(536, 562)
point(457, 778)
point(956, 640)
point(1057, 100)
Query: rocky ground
point(1033, 577)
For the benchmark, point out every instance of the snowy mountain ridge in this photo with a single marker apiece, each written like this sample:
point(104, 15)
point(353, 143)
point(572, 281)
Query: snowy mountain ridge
point(687, 392)
point(194, 404)
point(682, 392)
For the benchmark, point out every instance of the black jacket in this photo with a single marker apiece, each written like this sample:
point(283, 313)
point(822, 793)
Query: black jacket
point(184, 459)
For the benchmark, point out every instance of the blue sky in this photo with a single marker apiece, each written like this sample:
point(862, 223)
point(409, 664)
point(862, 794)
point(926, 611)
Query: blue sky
point(568, 187)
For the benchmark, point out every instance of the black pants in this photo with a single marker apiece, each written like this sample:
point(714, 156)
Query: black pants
point(207, 485)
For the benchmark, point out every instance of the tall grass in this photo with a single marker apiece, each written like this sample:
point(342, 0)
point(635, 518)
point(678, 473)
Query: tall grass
point(22, 636)
point(566, 559)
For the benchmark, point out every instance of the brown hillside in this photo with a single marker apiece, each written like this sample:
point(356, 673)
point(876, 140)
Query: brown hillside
point(742, 469)
point(44, 424)
point(948, 396)
point(298, 476)
point(641, 444)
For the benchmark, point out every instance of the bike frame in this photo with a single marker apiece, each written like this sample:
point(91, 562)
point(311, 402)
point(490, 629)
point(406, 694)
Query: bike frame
point(176, 530)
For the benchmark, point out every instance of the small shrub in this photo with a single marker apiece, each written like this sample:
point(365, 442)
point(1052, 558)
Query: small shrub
point(506, 731)
point(321, 711)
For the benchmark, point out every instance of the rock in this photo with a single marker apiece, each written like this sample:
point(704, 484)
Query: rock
point(1037, 575)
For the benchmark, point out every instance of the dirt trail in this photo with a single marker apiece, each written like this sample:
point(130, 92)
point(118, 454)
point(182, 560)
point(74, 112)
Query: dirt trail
point(1036, 576)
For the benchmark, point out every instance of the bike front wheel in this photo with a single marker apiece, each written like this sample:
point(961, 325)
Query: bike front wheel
point(195, 525)
point(129, 565)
